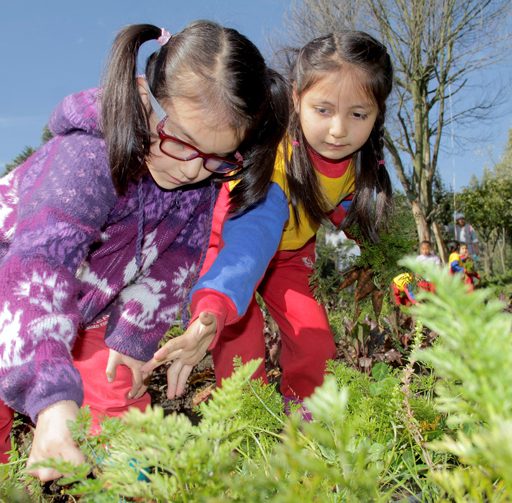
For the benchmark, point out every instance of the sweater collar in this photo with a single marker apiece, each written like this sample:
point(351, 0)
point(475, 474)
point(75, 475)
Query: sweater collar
point(332, 168)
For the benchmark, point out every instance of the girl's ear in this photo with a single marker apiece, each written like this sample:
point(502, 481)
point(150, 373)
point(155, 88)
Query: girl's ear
point(295, 98)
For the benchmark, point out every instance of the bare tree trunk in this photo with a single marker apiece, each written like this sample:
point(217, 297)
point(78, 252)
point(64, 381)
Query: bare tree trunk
point(441, 247)
point(502, 248)
point(487, 261)
point(422, 227)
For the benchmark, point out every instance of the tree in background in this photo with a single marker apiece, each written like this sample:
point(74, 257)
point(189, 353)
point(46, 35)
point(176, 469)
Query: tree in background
point(19, 159)
point(487, 205)
point(27, 152)
point(438, 47)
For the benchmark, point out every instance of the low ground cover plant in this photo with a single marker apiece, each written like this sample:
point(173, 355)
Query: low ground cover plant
point(437, 428)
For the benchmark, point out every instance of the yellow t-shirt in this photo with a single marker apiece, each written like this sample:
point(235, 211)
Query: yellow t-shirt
point(335, 190)
point(403, 279)
point(455, 257)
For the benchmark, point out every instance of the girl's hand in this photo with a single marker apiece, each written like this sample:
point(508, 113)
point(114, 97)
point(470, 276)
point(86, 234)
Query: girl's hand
point(184, 352)
point(52, 439)
point(115, 359)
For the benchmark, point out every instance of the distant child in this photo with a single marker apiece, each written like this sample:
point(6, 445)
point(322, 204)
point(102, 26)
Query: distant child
point(470, 274)
point(401, 285)
point(427, 255)
point(331, 165)
point(103, 228)
point(454, 261)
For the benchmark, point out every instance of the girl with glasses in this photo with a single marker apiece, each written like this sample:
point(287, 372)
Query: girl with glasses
point(330, 166)
point(102, 230)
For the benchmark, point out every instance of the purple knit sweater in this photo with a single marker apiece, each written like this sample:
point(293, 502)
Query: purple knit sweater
point(71, 250)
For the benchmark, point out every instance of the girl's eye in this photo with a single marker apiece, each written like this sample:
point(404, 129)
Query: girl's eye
point(322, 111)
point(360, 115)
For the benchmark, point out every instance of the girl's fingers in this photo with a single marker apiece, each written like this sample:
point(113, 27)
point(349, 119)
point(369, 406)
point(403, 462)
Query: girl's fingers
point(182, 379)
point(172, 378)
point(135, 394)
point(152, 364)
point(69, 453)
point(112, 363)
point(138, 388)
point(45, 474)
point(170, 347)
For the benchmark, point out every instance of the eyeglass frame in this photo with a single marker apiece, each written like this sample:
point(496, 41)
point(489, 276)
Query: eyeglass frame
point(162, 116)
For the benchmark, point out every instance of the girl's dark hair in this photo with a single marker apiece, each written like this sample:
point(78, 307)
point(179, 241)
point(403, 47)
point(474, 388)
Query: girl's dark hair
point(337, 52)
point(218, 68)
point(453, 246)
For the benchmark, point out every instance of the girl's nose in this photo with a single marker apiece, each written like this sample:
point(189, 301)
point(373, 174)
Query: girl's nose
point(191, 169)
point(338, 127)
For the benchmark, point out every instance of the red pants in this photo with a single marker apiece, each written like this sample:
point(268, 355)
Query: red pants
point(400, 296)
point(90, 356)
point(306, 338)
point(426, 285)
point(403, 299)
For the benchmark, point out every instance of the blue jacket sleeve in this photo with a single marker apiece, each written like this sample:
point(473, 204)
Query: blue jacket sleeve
point(250, 241)
point(455, 266)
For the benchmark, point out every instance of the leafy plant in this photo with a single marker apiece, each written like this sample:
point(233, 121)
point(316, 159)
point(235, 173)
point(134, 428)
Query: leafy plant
point(473, 359)
point(438, 429)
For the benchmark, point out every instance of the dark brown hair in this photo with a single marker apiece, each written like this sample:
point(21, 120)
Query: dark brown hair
point(218, 68)
point(339, 52)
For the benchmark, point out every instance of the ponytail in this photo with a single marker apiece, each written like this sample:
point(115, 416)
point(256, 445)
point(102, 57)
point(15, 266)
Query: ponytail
point(371, 178)
point(124, 119)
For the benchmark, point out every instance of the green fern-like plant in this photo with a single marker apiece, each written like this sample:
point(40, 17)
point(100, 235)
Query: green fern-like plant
point(167, 458)
point(318, 461)
point(472, 357)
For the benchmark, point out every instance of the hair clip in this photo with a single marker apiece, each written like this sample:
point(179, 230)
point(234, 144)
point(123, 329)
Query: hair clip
point(295, 143)
point(164, 37)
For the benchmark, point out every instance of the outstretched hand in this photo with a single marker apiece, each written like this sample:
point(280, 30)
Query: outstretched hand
point(184, 352)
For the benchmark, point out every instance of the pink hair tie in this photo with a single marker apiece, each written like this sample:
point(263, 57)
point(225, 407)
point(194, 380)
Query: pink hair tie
point(164, 37)
point(295, 143)
point(381, 163)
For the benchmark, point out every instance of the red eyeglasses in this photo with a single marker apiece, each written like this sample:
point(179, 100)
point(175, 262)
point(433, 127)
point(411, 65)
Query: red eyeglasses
point(183, 151)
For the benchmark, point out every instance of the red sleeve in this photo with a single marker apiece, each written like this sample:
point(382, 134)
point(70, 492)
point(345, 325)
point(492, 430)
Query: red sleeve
point(220, 214)
point(220, 305)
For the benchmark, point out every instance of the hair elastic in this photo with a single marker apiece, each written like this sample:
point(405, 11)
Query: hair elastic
point(295, 143)
point(381, 162)
point(164, 37)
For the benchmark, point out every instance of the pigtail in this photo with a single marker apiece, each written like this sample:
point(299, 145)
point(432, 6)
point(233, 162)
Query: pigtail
point(304, 188)
point(124, 118)
point(384, 189)
point(372, 201)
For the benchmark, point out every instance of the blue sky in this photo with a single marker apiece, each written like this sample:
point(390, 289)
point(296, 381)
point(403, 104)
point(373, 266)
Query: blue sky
point(53, 48)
